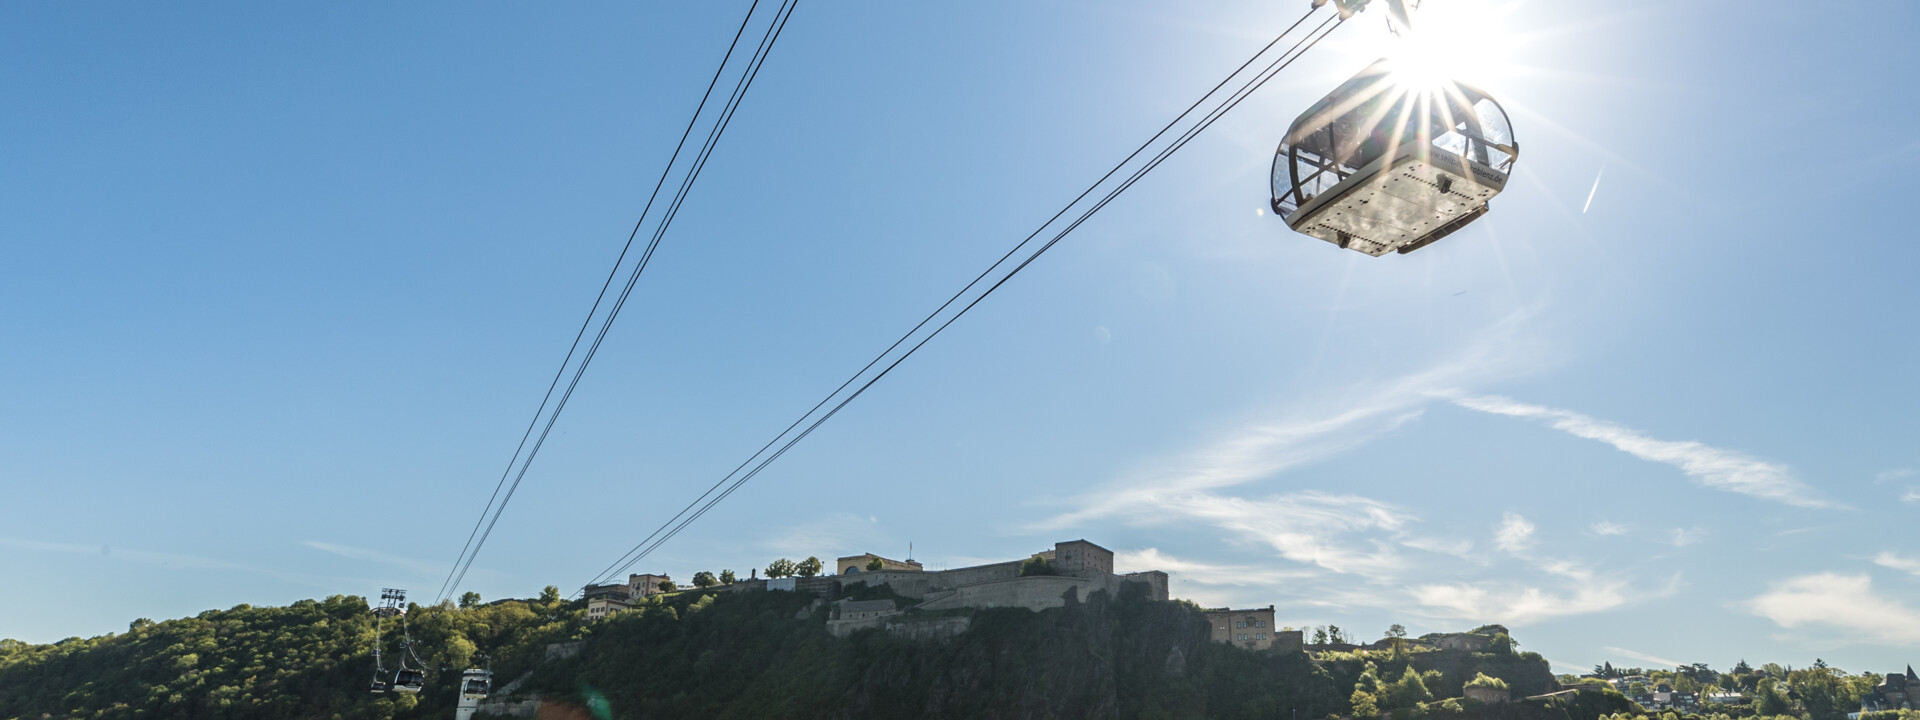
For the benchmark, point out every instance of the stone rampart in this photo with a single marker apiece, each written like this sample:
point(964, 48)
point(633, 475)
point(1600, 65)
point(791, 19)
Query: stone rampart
point(905, 584)
point(843, 628)
point(978, 574)
point(510, 708)
point(1035, 592)
point(1289, 641)
point(930, 629)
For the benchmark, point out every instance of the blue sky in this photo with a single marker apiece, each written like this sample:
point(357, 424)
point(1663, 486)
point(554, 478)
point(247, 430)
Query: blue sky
point(282, 285)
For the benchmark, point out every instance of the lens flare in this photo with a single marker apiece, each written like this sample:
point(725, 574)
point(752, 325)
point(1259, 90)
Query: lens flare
point(1461, 40)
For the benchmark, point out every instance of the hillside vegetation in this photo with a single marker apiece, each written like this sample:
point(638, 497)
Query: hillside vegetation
point(752, 654)
point(307, 660)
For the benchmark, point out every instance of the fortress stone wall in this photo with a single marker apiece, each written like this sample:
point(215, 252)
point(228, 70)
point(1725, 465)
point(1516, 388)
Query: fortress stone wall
point(1033, 593)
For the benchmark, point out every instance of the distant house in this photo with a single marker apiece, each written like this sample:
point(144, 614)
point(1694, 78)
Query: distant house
point(600, 607)
point(640, 586)
point(1251, 629)
point(605, 599)
point(1896, 692)
point(613, 590)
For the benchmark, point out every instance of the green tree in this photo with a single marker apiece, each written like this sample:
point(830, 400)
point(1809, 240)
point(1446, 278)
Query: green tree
point(1369, 679)
point(781, 568)
point(875, 565)
point(667, 586)
point(1036, 565)
point(1503, 644)
point(809, 567)
point(727, 577)
point(1319, 635)
point(1481, 679)
point(1398, 631)
point(458, 651)
point(1768, 700)
point(1406, 692)
point(1364, 704)
point(1334, 636)
point(550, 596)
point(469, 599)
point(704, 579)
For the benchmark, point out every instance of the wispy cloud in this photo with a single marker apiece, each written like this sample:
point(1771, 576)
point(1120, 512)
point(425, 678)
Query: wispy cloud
point(1913, 495)
point(1895, 474)
point(1682, 537)
point(421, 567)
point(1299, 525)
point(1643, 657)
point(1609, 528)
point(840, 532)
point(1515, 534)
point(1518, 603)
point(171, 561)
point(1343, 550)
point(1596, 188)
point(1708, 466)
point(1195, 571)
point(1309, 433)
point(1903, 564)
point(1844, 602)
point(1346, 534)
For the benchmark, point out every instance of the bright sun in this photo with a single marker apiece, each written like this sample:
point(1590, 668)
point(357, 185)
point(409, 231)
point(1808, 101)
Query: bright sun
point(1463, 40)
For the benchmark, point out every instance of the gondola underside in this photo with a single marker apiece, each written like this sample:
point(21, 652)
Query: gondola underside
point(1423, 197)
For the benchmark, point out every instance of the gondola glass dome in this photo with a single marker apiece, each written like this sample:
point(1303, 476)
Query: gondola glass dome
point(1390, 161)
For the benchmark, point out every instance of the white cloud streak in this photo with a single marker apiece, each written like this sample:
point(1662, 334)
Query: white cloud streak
point(1312, 528)
point(1844, 602)
point(1609, 528)
point(1903, 564)
point(347, 551)
point(1682, 537)
point(1708, 466)
point(171, 561)
point(1643, 657)
point(1348, 550)
point(1515, 534)
point(1596, 189)
point(1518, 604)
point(1194, 571)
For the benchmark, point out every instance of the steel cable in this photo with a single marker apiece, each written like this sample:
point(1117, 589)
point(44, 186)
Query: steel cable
point(654, 540)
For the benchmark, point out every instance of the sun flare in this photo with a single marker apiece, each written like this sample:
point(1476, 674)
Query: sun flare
point(1458, 40)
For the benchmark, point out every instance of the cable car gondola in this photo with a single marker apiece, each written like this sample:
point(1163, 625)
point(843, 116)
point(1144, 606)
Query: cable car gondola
point(405, 679)
point(475, 684)
point(1391, 162)
point(409, 680)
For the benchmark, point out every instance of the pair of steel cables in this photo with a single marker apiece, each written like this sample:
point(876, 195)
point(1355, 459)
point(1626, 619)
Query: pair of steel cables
point(889, 359)
point(523, 455)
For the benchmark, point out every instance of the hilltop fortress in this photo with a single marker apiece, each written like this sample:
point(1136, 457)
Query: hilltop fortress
point(1072, 570)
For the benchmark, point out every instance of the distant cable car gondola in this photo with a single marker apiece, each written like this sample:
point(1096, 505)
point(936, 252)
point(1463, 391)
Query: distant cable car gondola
point(409, 680)
point(1392, 162)
point(475, 684)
